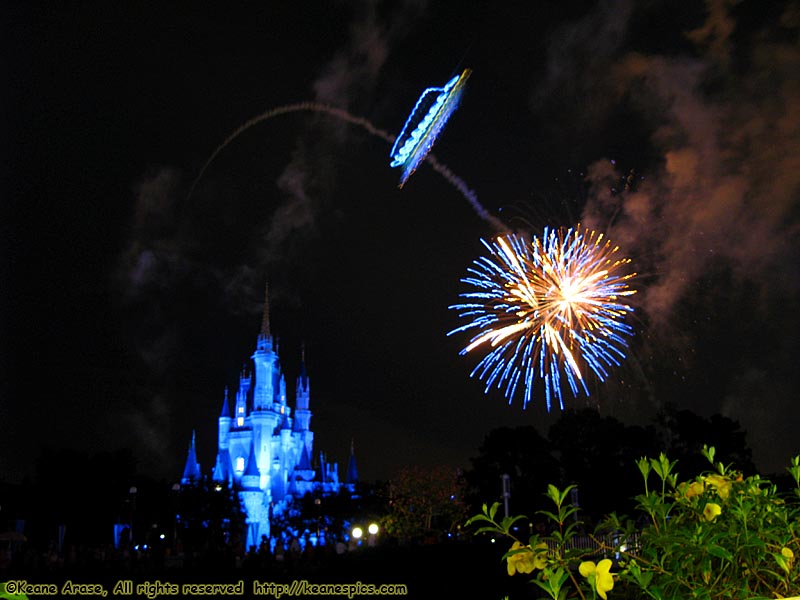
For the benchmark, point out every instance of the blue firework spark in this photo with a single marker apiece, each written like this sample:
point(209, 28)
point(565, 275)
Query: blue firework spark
point(547, 308)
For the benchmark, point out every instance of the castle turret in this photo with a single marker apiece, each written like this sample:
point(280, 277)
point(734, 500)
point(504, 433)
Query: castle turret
point(302, 415)
point(351, 477)
point(240, 413)
point(224, 423)
point(191, 472)
point(251, 478)
point(222, 468)
point(255, 500)
point(304, 469)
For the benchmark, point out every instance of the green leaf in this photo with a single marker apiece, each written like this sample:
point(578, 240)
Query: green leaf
point(544, 585)
point(477, 519)
point(719, 552)
point(507, 522)
point(555, 580)
point(644, 466)
point(709, 453)
point(552, 516)
point(487, 530)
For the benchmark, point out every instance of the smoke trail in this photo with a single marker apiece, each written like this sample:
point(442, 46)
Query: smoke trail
point(468, 193)
point(365, 124)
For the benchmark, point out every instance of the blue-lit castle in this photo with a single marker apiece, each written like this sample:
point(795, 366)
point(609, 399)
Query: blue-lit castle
point(264, 452)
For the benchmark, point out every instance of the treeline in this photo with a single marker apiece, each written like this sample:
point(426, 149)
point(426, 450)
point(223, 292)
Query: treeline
point(597, 454)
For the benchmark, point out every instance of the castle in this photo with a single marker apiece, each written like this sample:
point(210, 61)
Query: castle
point(264, 452)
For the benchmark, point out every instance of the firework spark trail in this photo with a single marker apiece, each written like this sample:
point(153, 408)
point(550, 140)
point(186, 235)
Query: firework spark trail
point(545, 308)
point(365, 124)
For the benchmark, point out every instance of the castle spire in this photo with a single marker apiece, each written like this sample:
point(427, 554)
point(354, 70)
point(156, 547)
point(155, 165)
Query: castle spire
point(265, 316)
point(226, 409)
point(302, 379)
point(352, 470)
point(264, 344)
point(191, 472)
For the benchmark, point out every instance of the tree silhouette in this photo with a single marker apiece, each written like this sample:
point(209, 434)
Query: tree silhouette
point(683, 434)
point(522, 454)
point(598, 455)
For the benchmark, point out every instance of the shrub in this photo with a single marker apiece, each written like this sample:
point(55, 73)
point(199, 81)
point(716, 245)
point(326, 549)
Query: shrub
point(719, 535)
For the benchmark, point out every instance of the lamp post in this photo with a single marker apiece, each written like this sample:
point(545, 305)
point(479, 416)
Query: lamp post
point(506, 491)
point(132, 492)
point(176, 494)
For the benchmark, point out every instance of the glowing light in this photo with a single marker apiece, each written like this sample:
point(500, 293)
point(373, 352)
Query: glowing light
point(373, 528)
point(357, 533)
point(425, 123)
point(547, 308)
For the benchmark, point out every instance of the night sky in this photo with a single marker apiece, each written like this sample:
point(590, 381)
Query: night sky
point(128, 306)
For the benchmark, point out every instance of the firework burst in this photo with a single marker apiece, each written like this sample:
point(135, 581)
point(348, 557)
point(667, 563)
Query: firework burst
point(550, 308)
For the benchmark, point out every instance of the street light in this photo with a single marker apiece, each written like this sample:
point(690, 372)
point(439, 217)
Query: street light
point(132, 492)
point(506, 492)
point(373, 533)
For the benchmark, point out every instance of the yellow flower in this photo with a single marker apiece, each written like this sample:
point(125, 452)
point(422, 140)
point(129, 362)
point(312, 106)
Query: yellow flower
point(540, 555)
point(694, 489)
point(523, 561)
point(712, 511)
point(785, 559)
point(788, 555)
point(527, 560)
point(598, 575)
point(721, 484)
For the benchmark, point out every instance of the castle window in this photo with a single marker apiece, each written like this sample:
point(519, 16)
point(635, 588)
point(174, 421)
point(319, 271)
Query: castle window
point(240, 463)
point(240, 422)
point(241, 409)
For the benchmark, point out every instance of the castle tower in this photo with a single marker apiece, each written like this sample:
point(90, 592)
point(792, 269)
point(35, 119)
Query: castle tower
point(265, 360)
point(264, 419)
point(302, 415)
point(240, 411)
point(222, 468)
